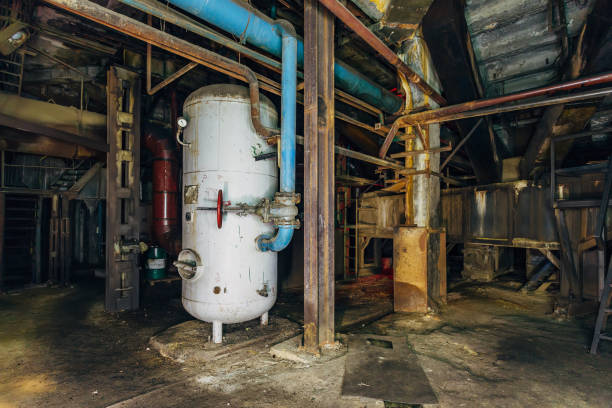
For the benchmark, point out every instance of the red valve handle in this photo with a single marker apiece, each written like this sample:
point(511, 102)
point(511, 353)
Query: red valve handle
point(219, 209)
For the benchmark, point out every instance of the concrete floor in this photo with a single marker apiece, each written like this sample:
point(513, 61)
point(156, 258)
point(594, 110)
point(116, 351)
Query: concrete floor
point(59, 349)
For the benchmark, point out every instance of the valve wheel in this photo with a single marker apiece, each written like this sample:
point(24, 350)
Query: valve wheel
point(219, 209)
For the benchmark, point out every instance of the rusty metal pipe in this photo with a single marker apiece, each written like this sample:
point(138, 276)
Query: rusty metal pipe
point(445, 114)
point(556, 100)
point(469, 109)
point(376, 43)
point(165, 41)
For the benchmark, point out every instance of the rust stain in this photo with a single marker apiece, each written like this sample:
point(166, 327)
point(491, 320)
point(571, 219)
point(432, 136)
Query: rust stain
point(310, 338)
point(409, 298)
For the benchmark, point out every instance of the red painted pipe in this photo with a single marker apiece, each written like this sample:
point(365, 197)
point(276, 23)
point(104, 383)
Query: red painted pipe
point(165, 192)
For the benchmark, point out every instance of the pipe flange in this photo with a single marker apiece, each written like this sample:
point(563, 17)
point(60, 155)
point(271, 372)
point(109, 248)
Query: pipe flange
point(286, 198)
point(294, 223)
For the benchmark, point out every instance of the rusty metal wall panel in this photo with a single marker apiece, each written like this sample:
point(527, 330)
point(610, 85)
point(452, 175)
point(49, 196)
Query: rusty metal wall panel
point(410, 270)
point(534, 219)
point(490, 216)
point(379, 214)
point(511, 214)
point(453, 215)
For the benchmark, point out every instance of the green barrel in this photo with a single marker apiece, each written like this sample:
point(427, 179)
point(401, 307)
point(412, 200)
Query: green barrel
point(156, 258)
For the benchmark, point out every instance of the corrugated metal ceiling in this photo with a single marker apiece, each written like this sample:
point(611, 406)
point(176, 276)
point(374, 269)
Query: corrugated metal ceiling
point(518, 44)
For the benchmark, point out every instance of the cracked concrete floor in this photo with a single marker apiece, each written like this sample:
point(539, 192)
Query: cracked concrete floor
point(59, 349)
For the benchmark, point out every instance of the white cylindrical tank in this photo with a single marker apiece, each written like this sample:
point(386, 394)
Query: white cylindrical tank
point(234, 281)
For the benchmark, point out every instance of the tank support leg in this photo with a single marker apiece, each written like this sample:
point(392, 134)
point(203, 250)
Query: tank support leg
point(217, 332)
point(264, 319)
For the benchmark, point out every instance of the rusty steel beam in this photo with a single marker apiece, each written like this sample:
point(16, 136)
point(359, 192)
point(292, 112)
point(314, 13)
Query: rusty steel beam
point(460, 144)
point(318, 177)
point(379, 46)
point(169, 79)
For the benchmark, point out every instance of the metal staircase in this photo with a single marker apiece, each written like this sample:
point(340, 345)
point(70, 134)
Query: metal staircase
point(70, 176)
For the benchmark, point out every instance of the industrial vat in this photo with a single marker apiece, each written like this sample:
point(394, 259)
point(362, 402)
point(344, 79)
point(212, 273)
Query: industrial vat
point(232, 280)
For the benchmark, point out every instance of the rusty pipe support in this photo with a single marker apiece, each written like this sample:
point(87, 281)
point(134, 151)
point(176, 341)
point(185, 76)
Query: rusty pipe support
point(376, 43)
point(165, 41)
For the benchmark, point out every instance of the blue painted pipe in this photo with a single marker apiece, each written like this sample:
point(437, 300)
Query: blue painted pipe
point(253, 27)
point(287, 142)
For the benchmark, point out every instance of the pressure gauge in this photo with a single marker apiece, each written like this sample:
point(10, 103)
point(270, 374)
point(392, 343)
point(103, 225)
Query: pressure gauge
point(181, 122)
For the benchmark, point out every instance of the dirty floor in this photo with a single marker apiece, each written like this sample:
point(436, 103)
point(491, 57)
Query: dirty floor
point(59, 349)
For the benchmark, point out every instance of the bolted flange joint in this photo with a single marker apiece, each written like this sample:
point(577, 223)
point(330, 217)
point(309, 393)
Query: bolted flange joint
point(282, 211)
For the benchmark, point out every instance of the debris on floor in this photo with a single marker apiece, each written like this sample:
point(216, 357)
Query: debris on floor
point(189, 342)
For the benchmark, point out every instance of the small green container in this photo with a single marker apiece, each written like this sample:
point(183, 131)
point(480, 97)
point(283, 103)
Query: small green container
point(155, 267)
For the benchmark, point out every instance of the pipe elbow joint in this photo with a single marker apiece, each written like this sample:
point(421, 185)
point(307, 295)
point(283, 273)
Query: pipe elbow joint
point(276, 243)
point(285, 28)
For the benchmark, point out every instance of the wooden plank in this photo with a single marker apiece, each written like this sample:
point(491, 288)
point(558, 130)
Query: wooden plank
point(551, 257)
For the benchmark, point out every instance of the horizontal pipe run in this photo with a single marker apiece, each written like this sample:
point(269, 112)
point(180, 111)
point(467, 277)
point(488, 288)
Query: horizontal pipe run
point(154, 8)
point(557, 100)
point(376, 43)
point(162, 12)
point(447, 112)
point(252, 27)
point(463, 111)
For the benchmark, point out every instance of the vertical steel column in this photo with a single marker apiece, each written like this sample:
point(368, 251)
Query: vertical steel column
point(54, 241)
point(319, 176)
point(65, 243)
point(38, 249)
point(122, 189)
